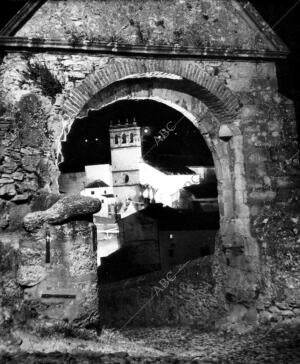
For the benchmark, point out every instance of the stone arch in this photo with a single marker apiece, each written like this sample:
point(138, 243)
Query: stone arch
point(220, 100)
point(239, 251)
point(131, 138)
point(124, 138)
point(209, 128)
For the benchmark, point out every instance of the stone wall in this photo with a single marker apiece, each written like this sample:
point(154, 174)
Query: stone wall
point(29, 154)
point(49, 270)
point(187, 295)
point(182, 296)
point(217, 23)
point(272, 174)
point(262, 152)
point(11, 294)
point(66, 284)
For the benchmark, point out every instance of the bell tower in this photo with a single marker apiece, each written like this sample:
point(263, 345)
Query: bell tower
point(126, 155)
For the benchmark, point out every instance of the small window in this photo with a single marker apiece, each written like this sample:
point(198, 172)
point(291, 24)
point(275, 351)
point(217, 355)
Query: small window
point(116, 139)
point(92, 192)
point(47, 257)
point(126, 178)
point(131, 138)
point(124, 139)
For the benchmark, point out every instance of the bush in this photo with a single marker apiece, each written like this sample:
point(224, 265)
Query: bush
point(40, 74)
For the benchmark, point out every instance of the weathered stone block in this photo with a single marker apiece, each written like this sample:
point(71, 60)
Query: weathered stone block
point(30, 162)
point(18, 176)
point(263, 195)
point(21, 198)
point(4, 181)
point(7, 190)
point(58, 266)
point(67, 208)
point(9, 165)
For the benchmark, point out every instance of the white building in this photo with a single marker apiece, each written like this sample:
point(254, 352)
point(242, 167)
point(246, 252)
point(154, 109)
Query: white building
point(129, 182)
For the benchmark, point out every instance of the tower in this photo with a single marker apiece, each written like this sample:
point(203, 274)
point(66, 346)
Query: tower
point(126, 155)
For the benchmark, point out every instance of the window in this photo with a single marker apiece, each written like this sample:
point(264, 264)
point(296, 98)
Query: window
point(171, 253)
point(131, 138)
point(92, 192)
point(124, 139)
point(126, 178)
point(116, 139)
point(47, 257)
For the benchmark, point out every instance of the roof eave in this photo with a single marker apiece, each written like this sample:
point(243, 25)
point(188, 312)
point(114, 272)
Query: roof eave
point(266, 30)
point(8, 43)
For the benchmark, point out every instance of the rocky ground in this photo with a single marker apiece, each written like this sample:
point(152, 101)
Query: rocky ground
point(278, 344)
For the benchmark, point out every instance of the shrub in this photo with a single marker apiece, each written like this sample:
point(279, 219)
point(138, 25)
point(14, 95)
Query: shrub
point(40, 74)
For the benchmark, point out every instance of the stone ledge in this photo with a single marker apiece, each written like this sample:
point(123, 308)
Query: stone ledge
point(64, 209)
point(37, 44)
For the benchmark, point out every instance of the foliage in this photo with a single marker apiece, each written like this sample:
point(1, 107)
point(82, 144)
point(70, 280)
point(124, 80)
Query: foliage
point(40, 74)
point(30, 123)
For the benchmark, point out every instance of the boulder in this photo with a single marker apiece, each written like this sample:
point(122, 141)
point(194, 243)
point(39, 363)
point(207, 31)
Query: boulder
point(7, 190)
point(65, 209)
point(30, 162)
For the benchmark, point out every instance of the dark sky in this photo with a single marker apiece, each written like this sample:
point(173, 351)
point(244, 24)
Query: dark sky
point(88, 140)
point(284, 18)
point(8, 9)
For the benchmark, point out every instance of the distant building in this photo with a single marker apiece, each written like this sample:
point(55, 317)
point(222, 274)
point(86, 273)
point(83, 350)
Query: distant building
point(198, 197)
point(126, 155)
point(72, 183)
point(99, 189)
point(131, 180)
point(157, 238)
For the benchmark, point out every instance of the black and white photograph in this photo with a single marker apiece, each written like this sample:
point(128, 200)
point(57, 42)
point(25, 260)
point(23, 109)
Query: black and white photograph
point(149, 181)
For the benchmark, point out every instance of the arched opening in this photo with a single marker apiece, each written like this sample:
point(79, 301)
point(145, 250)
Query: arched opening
point(162, 186)
point(213, 110)
point(124, 139)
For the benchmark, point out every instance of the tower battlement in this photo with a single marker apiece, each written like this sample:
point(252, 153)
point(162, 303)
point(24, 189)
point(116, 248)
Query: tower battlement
point(126, 155)
point(125, 135)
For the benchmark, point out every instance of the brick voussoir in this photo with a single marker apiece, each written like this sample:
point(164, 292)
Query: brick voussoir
point(70, 110)
point(107, 76)
point(88, 83)
point(215, 95)
point(232, 105)
point(120, 70)
point(94, 84)
point(78, 95)
point(82, 90)
point(200, 77)
point(139, 67)
point(98, 76)
point(76, 98)
point(75, 103)
point(133, 69)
